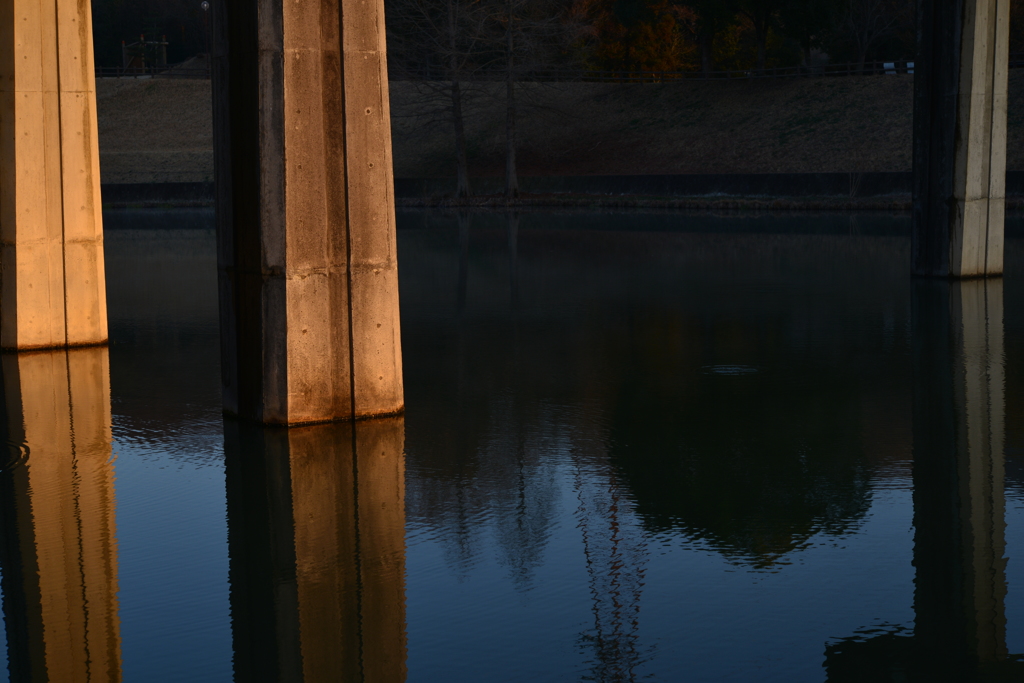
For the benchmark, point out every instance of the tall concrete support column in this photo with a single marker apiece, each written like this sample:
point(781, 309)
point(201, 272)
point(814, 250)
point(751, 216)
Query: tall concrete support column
point(58, 547)
point(305, 211)
point(316, 535)
point(52, 289)
point(960, 94)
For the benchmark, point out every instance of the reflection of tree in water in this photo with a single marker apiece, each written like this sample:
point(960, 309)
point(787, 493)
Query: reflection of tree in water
point(491, 470)
point(615, 551)
point(753, 462)
point(524, 514)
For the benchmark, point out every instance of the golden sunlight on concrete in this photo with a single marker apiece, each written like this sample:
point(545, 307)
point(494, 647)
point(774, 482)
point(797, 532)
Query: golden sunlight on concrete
point(52, 290)
point(306, 212)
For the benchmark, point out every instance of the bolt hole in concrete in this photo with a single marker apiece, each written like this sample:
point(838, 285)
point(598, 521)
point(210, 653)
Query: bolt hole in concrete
point(634, 445)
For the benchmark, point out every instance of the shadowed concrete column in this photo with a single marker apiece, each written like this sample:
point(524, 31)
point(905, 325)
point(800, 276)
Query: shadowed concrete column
point(58, 549)
point(960, 95)
point(305, 211)
point(316, 534)
point(52, 290)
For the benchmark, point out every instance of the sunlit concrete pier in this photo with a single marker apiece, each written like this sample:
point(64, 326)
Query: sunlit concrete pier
point(52, 288)
point(960, 100)
point(305, 212)
point(58, 547)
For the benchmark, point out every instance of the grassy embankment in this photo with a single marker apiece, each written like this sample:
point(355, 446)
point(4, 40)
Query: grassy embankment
point(160, 130)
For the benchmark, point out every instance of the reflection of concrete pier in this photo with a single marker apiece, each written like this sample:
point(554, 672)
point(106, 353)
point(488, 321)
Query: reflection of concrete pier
point(958, 472)
point(317, 543)
point(59, 553)
point(960, 586)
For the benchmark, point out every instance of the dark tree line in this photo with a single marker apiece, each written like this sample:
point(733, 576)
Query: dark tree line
point(458, 53)
point(705, 35)
point(632, 35)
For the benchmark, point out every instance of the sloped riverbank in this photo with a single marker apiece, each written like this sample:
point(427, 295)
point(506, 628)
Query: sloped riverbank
point(160, 130)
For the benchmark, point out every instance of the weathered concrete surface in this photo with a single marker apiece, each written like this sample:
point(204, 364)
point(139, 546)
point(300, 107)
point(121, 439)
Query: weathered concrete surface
point(306, 247)
point(57, 515)
point(316, 535)
point(52, 290)
point(960, 99)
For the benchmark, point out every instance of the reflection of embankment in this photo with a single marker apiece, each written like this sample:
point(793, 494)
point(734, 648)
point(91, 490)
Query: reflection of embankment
point(162, 284)
point(737, 380)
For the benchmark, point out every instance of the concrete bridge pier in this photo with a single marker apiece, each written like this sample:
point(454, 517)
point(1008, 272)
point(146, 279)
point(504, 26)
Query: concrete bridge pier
point(305, 211)
point(52, 289)
point(58, 547)
point(960, 96)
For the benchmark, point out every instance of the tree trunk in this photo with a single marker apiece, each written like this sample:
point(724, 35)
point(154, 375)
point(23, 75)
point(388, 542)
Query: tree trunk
point(761, 36)
point(706, 38)
point(511, 177)
point(463, 219)
point(461, 162)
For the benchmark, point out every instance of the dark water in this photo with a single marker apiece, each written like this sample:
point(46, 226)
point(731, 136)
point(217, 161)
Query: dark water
point(636, 447)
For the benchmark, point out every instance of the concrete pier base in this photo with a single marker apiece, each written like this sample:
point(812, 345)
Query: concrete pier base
point(960, 96)
point(316, 536)
point(52, 290)
point(305, 212)
point(58, 546)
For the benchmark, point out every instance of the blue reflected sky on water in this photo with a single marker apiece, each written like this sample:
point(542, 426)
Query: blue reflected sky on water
point(638, 446)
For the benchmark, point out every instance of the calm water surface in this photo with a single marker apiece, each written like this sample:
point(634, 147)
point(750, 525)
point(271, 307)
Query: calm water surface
point(636, 447)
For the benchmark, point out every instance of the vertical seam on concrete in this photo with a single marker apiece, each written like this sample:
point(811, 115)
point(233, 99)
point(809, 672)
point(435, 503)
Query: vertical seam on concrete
point(994, 73)
point(347, 218)
point(60, 169)
point(992, 65)
point(351, 334)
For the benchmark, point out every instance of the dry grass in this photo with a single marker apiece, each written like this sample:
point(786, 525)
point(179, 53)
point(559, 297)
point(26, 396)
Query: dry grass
point(155, 130)
point(160, 130)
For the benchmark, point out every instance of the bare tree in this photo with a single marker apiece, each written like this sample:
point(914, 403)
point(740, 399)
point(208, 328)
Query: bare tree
point(762, 15)
point(712, 17)
point(436, 42)
point(808, 22)
point(526, 34)
point(865, 22)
